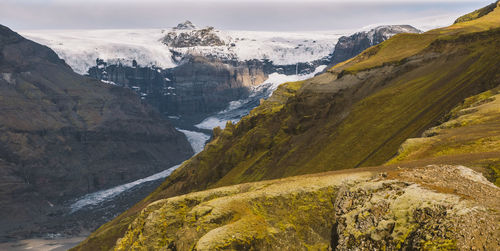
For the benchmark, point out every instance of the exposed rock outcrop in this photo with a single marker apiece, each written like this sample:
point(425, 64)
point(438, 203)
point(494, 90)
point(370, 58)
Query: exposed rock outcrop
point(192, 37)
point(63, 135)
point(356, 210)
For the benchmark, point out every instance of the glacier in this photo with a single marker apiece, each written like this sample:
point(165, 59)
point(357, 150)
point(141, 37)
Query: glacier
point(197, 141)
point(240, 108)
point(81, 48)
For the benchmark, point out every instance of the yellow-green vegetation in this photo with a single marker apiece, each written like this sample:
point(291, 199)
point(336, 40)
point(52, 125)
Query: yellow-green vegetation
point(250, 216)
point(470, 137)
point(337, 210)
point(477, 13)
point(356, 115)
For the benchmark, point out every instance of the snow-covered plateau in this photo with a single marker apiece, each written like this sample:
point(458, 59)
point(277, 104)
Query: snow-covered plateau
point(81, 48)
point(148, 47)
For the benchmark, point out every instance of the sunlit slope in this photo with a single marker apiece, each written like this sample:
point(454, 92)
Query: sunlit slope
point(357, 114)
point(424, 208)
point(470, 137)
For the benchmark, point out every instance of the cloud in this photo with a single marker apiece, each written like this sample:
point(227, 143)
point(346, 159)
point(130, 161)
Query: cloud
point(234, 14)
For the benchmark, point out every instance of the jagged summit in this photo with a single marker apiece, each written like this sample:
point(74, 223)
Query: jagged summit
point(186, 25)
point(189, 37)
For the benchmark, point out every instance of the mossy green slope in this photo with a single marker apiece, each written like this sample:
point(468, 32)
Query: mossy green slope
point(357, 114)
point(470, 137)
point(369, 209)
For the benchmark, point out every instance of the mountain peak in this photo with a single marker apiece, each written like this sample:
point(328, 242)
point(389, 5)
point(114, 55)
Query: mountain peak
point(186, 25)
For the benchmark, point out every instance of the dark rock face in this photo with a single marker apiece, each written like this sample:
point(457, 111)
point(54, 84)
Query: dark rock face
point(204, 85)
point(189, 38)
point(63, 135)
point(197, 87)
point(349, 47)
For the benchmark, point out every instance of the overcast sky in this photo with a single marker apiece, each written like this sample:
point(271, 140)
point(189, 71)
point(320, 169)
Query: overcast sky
point(286, 15)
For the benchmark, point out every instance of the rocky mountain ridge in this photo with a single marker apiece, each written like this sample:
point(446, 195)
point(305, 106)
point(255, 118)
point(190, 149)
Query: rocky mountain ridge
point(64, 135)
point(350, 46)
point(193, 37)
point(186, 25)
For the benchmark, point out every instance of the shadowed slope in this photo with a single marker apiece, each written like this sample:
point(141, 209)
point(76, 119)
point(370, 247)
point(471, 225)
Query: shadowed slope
point(63, 135)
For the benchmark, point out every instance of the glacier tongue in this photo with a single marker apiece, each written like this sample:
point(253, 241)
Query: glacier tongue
point(98, 197)
point(240, 108)
point(197, 141)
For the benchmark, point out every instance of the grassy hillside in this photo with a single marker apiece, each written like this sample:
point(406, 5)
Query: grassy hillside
point(470, 137)
point(355, 115)
point(370, 209)
point(477, 13)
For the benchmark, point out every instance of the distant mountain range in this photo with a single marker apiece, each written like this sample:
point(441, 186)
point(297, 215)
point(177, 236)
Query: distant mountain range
point(195, 72)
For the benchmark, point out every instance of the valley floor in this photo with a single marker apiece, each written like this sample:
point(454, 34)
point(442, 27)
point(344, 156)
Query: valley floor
point(56, 244)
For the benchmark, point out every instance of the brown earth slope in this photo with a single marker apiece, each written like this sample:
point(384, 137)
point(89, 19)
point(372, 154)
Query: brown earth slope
point(63, 135)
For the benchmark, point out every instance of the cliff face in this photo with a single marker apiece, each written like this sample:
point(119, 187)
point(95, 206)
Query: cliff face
point(63, 135)
point(205, 85)
point(197, 87)
point(357, 114)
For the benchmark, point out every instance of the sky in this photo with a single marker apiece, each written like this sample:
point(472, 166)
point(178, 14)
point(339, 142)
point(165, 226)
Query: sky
point(271, 15)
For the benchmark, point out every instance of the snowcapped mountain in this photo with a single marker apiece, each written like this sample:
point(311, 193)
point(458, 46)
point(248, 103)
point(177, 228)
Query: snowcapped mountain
point(163, 48)
point(195, 72)
point(187, 25)
point(381, 33)
point(81, 48)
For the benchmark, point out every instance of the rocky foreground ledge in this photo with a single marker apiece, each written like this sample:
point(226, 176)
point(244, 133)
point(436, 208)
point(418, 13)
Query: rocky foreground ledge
point(432, 207)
